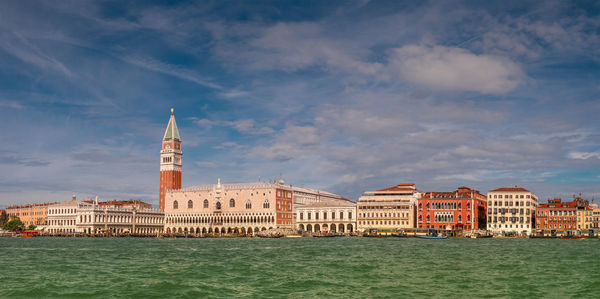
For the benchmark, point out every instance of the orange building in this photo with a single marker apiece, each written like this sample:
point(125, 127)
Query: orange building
point(33, 214)
point(559, 215)
point(464, 208)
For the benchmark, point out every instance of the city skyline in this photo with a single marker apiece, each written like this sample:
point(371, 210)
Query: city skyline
point(343, 97)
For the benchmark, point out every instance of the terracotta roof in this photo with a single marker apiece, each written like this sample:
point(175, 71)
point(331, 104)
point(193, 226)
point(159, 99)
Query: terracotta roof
point(31, 205)
point(510, 189)
point(400, 187)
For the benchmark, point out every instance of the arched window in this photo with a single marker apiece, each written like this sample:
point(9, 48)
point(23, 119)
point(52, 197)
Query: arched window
point(266, 204)
point(175, 205)
point(459, 218)
point(428, 218)
point(468, 218)
point(190, 204)
point(205, 204)
point(232, 203)
point(248, 205)
point(218, 205)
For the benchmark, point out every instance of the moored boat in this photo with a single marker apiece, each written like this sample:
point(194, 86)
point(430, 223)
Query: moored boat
point(573, 237)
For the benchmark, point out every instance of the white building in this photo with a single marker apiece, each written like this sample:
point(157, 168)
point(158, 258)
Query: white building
point(62, 217)
point(89, 217)
point(337, 216)
point(511, 210)
point(305, 196)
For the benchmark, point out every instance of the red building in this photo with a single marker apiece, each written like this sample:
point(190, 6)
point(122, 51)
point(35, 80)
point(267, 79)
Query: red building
point(464, 208)
point(559, 215)
point(170, 162)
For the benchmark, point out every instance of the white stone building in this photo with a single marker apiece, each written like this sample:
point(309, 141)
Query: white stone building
point(87, 217)
point(337, 216)
point(62, 217)
point(511, 210)
point(305, 196)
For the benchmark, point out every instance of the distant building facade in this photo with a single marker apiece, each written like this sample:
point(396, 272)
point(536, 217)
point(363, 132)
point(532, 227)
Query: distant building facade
point(511, 210)
point(62, 217)
point(92, 217)
point(338, 216)
point(388, 209)
point(304, 196)
point(558, 215)
point(587, 218)
point(32, 214)
point(463, 209)
point(242, 208)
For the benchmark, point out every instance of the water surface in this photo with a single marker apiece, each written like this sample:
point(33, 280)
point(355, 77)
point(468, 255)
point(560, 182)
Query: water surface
point(306, 267)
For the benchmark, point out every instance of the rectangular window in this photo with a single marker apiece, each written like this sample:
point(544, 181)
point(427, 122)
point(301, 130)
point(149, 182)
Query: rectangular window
point(301, 215)
point(349, 215)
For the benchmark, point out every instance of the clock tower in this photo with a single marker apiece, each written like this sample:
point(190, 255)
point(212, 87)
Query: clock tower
point(170, 162)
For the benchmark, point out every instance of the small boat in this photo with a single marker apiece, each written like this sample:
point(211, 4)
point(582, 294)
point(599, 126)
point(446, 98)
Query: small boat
point(573, 237)
point(432, 237)
point(293, 236)
point(339, 235)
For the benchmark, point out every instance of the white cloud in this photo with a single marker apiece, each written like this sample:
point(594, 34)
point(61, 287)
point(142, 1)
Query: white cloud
point(584, 155)
point(455, 69)
point(169, 69)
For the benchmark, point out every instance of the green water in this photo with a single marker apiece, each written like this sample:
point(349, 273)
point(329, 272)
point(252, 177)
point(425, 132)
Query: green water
point(307, 267)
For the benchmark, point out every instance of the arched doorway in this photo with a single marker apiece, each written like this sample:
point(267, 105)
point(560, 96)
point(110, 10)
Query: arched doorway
point(301, 226)
point(341, 228)
point(333, 228)
point(350, 228)
point(309, 227)
point(317, 228)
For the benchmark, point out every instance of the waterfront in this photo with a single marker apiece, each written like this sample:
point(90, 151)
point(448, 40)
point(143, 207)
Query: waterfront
point(305, 267)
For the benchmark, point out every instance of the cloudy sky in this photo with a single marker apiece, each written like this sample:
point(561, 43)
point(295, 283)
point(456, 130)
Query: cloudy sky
point(345, 96)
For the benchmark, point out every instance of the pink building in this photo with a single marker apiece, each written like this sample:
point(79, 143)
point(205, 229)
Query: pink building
point(243, 208)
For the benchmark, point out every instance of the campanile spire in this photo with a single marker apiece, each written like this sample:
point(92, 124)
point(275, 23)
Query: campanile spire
point(170, 161)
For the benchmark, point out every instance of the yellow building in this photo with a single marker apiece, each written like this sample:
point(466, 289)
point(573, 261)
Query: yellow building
point(589, 218)
point(389, 209)
point(33, 214)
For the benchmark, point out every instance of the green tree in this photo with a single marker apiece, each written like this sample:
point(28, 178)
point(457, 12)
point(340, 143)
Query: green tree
point(14, 224)
point(31, 227)
point(3, 218)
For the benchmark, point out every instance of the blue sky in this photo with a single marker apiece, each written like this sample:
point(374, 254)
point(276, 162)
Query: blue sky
point(345, 96)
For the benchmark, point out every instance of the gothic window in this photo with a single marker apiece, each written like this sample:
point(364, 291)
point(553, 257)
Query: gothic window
point(175, 205)
point(205, 205)
point(232, 203)
point(266, 204)
point(218, 205)
point(190, 204)
point(248, 205)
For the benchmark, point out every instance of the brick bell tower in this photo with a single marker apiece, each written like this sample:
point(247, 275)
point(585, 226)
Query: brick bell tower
point(170, 162)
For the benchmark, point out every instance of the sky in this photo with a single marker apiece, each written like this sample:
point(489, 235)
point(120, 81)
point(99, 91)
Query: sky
point(339, 95)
